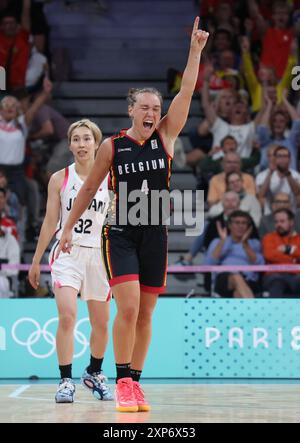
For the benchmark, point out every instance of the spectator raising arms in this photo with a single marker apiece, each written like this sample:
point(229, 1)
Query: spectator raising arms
point(239, 126)
point(273, 127)
point(13, 133)
point(266, 76)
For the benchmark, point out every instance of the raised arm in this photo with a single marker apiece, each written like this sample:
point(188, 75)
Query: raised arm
point(285, 82)
point(208, 107)
point(88, 190)
point(172, 124)
point(256, 16)
point(294, 114)
point(38, 102)
point(248, 68)
point(264, 116)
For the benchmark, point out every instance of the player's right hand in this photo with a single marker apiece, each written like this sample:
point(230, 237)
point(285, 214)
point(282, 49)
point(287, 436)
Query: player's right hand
point(65, 244)
point(34, 275)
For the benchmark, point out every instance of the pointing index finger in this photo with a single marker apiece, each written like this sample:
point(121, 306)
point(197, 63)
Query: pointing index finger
point(196, 24)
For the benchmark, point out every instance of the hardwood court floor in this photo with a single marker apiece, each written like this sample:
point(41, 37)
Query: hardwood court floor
point(171, 403)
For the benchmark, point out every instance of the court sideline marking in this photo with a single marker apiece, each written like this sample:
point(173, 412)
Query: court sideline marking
point(18, 391)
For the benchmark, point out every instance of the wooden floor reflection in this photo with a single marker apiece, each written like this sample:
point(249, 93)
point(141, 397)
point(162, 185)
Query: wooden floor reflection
point(182, 403)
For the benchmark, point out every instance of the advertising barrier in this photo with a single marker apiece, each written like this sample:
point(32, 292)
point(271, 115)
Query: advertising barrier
point(192, 338)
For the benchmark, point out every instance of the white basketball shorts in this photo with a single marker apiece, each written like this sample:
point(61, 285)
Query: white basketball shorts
point(82, 270)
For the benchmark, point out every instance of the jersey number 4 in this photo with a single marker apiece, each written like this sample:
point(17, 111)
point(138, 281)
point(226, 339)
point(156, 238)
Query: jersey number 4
point(145, 188)
point(83, 226)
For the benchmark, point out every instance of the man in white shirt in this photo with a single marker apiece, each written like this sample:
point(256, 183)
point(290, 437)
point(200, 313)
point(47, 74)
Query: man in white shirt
point(279, 178)
point(238, 126)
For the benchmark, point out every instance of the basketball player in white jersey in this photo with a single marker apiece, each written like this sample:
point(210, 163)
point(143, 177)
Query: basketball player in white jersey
point(81, 271)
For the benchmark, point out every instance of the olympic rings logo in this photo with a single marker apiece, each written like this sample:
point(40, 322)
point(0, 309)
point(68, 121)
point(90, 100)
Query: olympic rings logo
point(49, 338)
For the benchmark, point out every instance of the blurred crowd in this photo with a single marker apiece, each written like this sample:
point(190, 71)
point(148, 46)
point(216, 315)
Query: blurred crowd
point(33, 135)
point(245, 149)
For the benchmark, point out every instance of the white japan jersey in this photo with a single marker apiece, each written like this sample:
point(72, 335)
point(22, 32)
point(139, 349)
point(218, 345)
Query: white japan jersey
point(87, 231)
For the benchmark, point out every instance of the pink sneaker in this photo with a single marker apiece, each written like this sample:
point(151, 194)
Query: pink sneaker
point(140, 398)
point(125, 398)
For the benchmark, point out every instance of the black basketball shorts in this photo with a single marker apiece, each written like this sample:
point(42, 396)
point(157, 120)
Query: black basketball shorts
point(136, 254)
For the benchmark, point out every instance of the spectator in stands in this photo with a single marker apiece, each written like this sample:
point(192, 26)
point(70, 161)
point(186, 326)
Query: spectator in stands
point(6, 223)
point(260, 15)
point(14, 46)
point(10, 254)
point(235, 247)
point(280, 201)
point(230, 203)
point(37, 68)
point(278, 39)
point(278, 178)
point(272, 130)
point(39, 26)
point(221, 41)
point(51, 127)
point(12, 209)
point(200, 137)
point(220, 72)
point(282, 247)
point(265, 77)
point(13, 133)
point(38, 22)
point(239, 126)
point(223, 14)
point(217, 186)
point(213, 162)
point(248, 202)
point(208, 9)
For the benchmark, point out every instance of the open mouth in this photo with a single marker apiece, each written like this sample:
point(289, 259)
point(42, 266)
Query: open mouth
point(148, 125)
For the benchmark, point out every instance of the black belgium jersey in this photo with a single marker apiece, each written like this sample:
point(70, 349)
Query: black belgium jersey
point(138, 174)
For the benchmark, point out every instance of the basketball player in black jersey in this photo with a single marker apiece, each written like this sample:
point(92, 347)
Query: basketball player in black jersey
point(135, 256)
